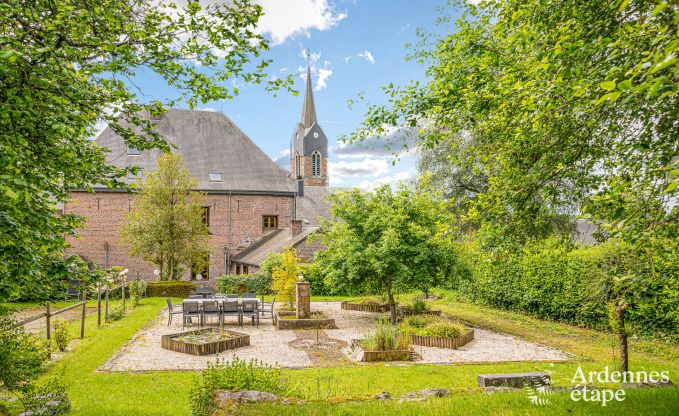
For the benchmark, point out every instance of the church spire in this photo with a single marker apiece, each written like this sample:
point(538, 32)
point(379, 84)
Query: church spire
point(309, 110)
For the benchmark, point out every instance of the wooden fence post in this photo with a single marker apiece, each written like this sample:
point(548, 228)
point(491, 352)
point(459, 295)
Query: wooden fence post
point(98, 305)
point(82, 319)
point(106, 315)
point(47, 318)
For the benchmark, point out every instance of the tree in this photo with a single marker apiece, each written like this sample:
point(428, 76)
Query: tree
point(386, 241)
point(573, 103)
point(165, 225)
point(285, 276)
point(67, 67)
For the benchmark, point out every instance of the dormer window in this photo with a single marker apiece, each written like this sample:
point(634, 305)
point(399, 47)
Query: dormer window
point(215, 176)
point(131, 151)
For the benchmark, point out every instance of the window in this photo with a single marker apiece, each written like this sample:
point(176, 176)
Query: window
point(270, 222)
point(316, 164)
point(215, 176)
point(131, 151)
point(298, 165)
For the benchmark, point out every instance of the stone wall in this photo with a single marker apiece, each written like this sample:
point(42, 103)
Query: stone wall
point(105, 215)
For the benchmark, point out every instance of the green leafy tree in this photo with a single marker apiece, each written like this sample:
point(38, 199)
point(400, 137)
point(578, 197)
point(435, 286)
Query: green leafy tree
point(573, 104)
point(67, 67)
point(386, 242)
point(165, 225)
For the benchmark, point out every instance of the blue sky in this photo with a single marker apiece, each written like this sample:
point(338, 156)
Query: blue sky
point(356, 47)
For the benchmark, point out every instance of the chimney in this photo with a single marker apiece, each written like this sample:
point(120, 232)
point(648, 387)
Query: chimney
point(295, 227)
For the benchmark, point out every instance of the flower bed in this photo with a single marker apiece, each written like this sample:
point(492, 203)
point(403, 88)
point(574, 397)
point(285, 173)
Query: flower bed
point(442, 342)
point(364, 307)
point(318, 320)
point(384, 343)
point(204, 341)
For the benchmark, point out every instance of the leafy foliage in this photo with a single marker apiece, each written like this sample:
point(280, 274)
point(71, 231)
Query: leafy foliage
point(244, 283)
point(386, 337)
point(67, 67)
point(166, 225)
point(561, 106)
point(171, 288)
point(117, 312)
point(236, 374)
point(61, 335)
point(48, 399)
point(137, 290)
point(285, 276)
point(21, 355)
point(556, 280)
point(386, 241)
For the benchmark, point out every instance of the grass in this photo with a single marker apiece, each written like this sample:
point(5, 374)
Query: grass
point(339, 390)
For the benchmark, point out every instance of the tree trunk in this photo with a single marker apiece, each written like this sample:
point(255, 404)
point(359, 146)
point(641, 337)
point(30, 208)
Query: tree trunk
point(622, 337)
point(392, 303)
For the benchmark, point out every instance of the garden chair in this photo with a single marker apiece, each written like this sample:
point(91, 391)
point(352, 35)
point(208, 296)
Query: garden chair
point(230, 307)
point(249, 296)
point(171, 310)
point(189, 311)
point(250, 309)
point(232, 296)
point(210, 308)
point(195, 297)
point(267, 308)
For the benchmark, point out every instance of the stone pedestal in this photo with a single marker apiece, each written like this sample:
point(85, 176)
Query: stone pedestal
point(303, 300)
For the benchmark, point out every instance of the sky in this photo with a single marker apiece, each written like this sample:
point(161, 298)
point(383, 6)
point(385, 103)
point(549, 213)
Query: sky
point(355, 47)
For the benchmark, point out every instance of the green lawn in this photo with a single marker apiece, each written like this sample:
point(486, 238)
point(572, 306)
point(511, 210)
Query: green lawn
point(340, 390)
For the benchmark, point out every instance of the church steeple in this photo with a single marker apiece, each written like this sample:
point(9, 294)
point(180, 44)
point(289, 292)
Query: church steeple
point(308, 110)
point(309, 146)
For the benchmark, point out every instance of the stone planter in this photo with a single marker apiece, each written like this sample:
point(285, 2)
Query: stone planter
point(170, 342)
point(348, 306)
point(440, 342)
point(284, 322)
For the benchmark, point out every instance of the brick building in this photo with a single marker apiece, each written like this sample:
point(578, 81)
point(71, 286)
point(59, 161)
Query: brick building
point(253, 207)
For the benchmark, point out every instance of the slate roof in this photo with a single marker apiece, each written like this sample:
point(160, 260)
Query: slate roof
point(313, 205)
point(277, 243)
point(209, 143)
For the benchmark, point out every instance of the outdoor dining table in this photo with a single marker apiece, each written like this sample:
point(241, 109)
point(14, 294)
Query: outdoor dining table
point(220, 300)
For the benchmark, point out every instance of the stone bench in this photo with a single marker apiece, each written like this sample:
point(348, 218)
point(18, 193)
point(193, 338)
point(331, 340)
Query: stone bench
point(516, 380)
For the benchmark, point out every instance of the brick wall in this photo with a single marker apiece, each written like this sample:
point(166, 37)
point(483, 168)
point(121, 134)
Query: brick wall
point(105, 215)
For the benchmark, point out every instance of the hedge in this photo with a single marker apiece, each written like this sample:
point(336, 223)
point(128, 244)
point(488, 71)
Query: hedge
point(244, 283)
point(559, 281)
point(171, 288)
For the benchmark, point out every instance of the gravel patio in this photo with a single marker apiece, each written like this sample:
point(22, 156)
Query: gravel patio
point(295, 349)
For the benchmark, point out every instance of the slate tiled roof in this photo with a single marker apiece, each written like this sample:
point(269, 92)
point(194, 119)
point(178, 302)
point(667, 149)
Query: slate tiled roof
point(209, 143)
point(313, 205)
point(256, 255)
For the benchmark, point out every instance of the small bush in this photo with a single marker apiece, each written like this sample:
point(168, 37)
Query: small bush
point(117, 312)
point(420, 321)
point(49, 399)
point(417, 306)
point(244, 283)
point(237, 374)
point(61, 335)
point(137, 290)
point(170, 288)
point(22, 355)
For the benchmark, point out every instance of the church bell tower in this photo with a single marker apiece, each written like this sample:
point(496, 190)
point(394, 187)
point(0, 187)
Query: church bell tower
point(309, 146)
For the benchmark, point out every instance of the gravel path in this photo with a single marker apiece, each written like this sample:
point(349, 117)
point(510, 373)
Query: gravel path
point(295, 349)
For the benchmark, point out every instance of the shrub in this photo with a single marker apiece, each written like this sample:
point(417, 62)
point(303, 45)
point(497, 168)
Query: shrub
point(237, 374)
point(244, 283)
point(49, 399)
point(22, 355)
point(117, 312)
point(417, 306)
point(285, 276)
point(386, 337)
point(137, 290)
point(314, 275)
point(170, 288)
point(420, 321)
point(61, 335)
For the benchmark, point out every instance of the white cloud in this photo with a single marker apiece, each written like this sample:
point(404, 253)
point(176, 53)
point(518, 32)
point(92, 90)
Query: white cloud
point(395, 141)
point(320, 72)
point(323, 75)
point(286, 19)
point(365, 167)
point(367, 55)
point(387, 180)
point(283, 159)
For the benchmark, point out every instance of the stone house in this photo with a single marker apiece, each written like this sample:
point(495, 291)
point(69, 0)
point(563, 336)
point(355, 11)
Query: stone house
point(253, 207)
